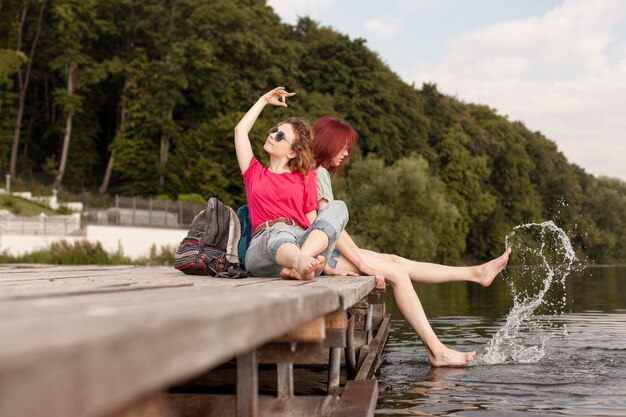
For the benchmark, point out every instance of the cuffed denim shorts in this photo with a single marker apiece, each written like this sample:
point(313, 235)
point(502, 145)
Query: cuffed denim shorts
point(334, 257)
point(261, 254)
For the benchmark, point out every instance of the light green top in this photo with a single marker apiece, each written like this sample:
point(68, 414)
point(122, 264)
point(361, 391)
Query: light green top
point(324, 186)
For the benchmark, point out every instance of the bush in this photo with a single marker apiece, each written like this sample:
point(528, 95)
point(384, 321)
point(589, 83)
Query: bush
point(191, 198)
point(399, 209)
point(86, 253)
point(165, 256)
point(66, 253)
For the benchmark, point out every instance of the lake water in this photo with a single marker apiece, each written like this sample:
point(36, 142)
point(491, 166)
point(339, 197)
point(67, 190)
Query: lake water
point(581, 368)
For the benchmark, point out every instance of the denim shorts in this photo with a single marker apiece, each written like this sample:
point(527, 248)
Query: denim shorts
point(332, 261)
point(261, 254)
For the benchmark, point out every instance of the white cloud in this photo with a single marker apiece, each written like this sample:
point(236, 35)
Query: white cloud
point(563, 73)
point(419, 4)
point(384, 27)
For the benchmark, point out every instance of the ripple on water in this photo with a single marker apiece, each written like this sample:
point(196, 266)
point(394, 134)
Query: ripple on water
point(579, 375)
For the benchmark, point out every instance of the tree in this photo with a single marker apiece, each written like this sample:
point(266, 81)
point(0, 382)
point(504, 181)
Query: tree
point(23, 76)
point(10, 62)
point(399, 209)
point(465, 176)
point(77, 24)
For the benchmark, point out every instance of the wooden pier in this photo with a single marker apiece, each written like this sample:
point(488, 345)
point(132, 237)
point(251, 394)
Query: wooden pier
point(130, 341)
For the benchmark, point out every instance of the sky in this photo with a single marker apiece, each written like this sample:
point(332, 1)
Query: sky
point(558, 66)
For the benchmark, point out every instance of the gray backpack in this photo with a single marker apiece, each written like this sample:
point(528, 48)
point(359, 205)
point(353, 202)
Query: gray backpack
point(210, 247)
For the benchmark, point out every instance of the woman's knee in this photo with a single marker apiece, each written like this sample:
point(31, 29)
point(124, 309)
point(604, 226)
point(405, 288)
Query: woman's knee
point(339, 209)
point(397, 275)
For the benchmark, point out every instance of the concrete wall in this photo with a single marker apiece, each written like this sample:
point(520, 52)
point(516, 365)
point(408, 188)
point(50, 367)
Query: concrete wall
point(135, 242)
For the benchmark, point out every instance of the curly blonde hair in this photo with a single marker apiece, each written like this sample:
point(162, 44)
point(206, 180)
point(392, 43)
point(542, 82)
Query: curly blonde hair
point(302, 145)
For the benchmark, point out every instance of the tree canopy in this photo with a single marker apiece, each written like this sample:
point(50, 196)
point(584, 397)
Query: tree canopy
point(120, 96)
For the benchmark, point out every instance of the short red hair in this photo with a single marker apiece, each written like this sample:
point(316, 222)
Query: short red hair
point(330, 136)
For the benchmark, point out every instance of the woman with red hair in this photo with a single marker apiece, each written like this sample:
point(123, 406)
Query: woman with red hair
point(333, 140)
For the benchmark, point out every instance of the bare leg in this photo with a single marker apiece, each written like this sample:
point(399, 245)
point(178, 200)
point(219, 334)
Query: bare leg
point(430, 273)
point(413, 312)
point(298, 265)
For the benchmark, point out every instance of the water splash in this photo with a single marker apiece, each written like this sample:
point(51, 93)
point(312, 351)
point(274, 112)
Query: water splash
point(546, 257)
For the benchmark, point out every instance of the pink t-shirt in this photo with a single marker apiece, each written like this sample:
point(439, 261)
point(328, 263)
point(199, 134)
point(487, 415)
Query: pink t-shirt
point(271, 196)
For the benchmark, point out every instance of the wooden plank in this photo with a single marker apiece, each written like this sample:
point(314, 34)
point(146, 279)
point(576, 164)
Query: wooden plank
point(366, 368)
point(104, 303)
point(203, 405)
point(350, 289)
point(41, 272)
point(292, 352)
point(29, 268)
point(312, 331)
point(83, 288)
point(134, 272)
point(152, 406)
point(72, 363)
point(358, 399)
point(337, 320)
point(84, 285)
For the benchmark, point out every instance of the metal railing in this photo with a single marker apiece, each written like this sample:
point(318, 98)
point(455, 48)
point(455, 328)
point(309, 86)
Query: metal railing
point(144, 212)
point(42, 225)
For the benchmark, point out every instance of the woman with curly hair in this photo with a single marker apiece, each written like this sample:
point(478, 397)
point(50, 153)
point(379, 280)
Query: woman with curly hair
point(289, 237)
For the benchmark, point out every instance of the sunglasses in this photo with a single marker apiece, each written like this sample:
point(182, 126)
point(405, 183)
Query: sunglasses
point(279, 135)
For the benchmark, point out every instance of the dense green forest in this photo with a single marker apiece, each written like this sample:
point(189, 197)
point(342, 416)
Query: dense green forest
point(141, 97)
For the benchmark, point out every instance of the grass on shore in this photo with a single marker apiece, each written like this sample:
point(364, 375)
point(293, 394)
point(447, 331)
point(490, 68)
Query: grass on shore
point(23, 207)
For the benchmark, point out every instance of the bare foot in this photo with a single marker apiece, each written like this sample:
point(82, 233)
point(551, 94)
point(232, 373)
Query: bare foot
point(306, 266)
point(449, 357)
point(487, 272)
point(289, 273)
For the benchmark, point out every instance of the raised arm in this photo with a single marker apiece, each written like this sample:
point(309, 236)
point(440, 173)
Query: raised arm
point(243, 148)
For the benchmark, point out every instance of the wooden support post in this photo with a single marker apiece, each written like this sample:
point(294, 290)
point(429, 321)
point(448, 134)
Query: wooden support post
point(334, 371)
point(247, 385)
point(134, 210)
point(368, 319)
point(337, 320)
point(349, 352)
point(166, 212)
point(284, 386)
